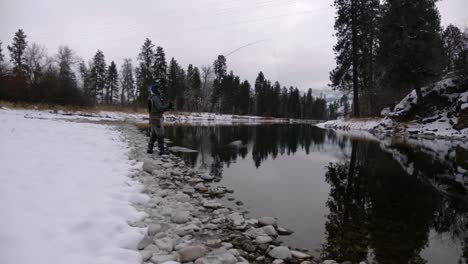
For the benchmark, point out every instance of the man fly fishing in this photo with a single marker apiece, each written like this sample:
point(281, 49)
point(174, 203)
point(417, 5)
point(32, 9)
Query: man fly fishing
point(156, 108)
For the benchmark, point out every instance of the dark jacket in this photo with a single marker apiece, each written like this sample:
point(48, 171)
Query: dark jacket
point(156, 107)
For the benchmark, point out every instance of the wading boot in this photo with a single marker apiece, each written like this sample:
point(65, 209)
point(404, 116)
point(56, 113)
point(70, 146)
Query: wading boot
point(150, 149)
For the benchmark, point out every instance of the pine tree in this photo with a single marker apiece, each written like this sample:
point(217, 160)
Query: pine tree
point(220, 70)
point(244, 99)
point(98, 77)
point(112, 84)
point(2, 60)
point(411, 51)
point(160, 69)
point(146, 58)
point(193, 91)
point(69, 93)
point(356, 27)
point(176, 84)
point(127, 83)
point(260, 88)
point(85, 74)
point(17, 52)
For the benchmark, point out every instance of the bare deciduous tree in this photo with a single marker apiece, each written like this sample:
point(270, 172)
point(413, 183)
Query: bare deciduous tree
point(207, 86)
point(36, 60)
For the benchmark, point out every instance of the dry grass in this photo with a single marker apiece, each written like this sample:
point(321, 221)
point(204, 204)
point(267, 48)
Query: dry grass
point(142, 126)
point(90, 109)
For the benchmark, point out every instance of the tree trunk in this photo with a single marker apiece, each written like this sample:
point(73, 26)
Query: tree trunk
point(419, 94)
point(355, 59)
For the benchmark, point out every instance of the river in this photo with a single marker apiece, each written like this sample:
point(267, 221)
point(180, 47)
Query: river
point(347, 197)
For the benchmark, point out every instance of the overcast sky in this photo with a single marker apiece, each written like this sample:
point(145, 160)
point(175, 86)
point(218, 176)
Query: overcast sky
point(293, 38)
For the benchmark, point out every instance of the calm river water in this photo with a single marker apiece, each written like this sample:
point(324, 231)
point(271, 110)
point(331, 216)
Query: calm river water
point(387, 200)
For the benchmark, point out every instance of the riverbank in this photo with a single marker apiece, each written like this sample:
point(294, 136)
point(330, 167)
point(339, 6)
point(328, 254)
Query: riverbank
point(140, 115)
point(443, 113)
point(188, 223)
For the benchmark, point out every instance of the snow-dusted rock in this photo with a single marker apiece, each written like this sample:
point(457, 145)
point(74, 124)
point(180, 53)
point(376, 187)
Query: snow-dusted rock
point(144, 242)
point(192, 253)
point(280, 253)
point(165, 244)
point(153, 229)
point(267, 220)
point(146, 255)
point(150, 165)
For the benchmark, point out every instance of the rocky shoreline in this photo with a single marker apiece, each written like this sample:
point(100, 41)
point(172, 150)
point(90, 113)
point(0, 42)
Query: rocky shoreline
point(187, 224)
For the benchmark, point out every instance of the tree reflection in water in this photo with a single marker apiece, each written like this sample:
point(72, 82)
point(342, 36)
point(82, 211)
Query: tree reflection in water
point(386, 195)
point(378, 209)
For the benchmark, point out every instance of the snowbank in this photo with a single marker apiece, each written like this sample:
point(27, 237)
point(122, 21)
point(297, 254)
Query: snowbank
point(444, 114)
point(66, 193)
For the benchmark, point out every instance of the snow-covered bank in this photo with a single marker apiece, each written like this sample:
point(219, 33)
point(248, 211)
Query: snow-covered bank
point(66, 193)
point(170, 117)
point(444, 114)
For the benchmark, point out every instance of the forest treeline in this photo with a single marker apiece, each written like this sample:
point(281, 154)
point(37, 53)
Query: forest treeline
point(387, 48)
point(31, 75)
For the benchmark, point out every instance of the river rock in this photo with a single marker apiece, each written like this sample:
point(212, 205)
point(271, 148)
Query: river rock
point(146, 255)
point(192, 253)
point(159, 259)
point(212, 204)
point(165, 244)
point(267, 220)
point(299, 255)
point(278, 261)
point(153, 229)
point(144, 242)
point(329, 261)
point(182, 197)
point(180, 217)
point(213, 243)
point(188, 190)
point(280, 253)
point(284, 231)
point(151, 165)
point(263, 239)
point(207, 177)
point(270, 230)
point(200, 187)
point(225, 258)
point(236, 218)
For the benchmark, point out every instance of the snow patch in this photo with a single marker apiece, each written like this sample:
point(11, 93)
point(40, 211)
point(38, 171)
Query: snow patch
point(66, 192)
